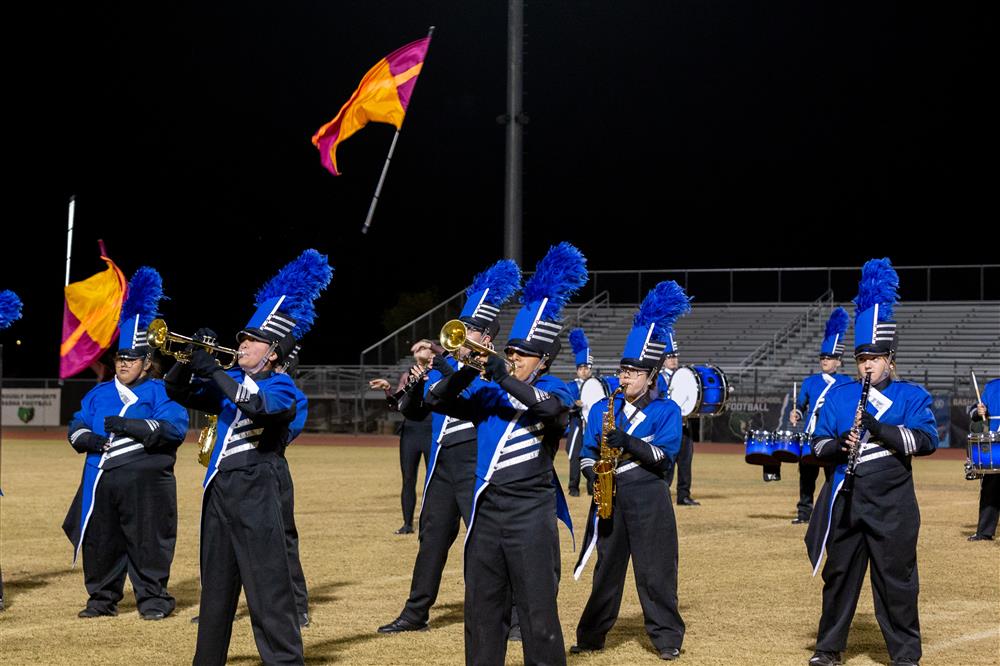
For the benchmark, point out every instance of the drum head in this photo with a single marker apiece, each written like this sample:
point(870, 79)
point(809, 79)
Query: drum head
point(685, 390)
point(593, 391)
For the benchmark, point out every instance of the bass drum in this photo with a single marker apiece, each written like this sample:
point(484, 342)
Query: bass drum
point(593, 391)
point(699, 390)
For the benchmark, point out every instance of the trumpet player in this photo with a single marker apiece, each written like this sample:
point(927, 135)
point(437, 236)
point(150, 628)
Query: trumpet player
point(512, 543)
point(451, 475)
point(124, 516)
point(867, 512)
point(641, 436)
point(242, 528)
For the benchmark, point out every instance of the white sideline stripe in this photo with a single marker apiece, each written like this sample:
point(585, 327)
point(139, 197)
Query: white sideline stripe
point(958, 640)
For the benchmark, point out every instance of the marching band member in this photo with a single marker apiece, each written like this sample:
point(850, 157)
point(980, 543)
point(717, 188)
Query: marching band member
point(415, 435)
point(813, 393)
point(242, 529)
point(124, 516)
point(512, 544)
point(10, 311)
point(872, 514)
point(642, 526)
point(989, 491)
point(685, 457)
point(574, 433)
point(448, 490)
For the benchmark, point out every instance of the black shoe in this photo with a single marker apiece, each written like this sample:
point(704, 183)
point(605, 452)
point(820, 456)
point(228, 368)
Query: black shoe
point(1, 603)
point(772, 476)
point(93, 612)
point(515, 633)
point(905, 662)
point(687, 501)
point(980, 537)
point(194, 620)
point(153, 615)
point(304, 620)
point(405, 529)
point(574, 492)
point(400, 625)
point(825, 659)
point(581, 649)
point(800, 521)
point(669, 654)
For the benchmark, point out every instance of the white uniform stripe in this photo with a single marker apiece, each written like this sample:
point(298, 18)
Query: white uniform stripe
point(518, 459)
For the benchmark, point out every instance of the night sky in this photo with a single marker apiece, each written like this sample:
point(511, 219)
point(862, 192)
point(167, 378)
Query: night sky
point(740, 134)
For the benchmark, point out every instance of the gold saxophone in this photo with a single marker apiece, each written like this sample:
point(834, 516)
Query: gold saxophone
point(604, 469)
point(206, 440)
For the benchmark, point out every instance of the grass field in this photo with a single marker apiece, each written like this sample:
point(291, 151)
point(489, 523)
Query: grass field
point(745, 587)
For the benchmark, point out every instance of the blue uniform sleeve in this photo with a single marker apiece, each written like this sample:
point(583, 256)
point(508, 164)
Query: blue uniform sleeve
point(298, 423)
point(920, 434)
point(82, 436)
point(826, 437)
point(669, 430)
point(172, 417)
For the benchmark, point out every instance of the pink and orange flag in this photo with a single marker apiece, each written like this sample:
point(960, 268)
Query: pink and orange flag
point(382, 97)
point(90, 318)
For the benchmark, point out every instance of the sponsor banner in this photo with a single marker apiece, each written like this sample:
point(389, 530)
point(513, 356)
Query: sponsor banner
point(31, 406)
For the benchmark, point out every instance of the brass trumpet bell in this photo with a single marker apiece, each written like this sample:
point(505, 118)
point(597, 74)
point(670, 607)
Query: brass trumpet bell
point(160, 337)
point(455, 335)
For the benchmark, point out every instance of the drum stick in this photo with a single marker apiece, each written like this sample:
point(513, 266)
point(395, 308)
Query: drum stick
point(795, 394)
point(979, 396)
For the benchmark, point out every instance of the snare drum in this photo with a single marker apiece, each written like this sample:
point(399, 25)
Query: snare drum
point(786, 446)
point(699, 390)
point(759, 449)
point(984, 452)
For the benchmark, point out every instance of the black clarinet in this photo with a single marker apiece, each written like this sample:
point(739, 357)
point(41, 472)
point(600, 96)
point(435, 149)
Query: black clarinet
point(394, 399)
point(854, 452)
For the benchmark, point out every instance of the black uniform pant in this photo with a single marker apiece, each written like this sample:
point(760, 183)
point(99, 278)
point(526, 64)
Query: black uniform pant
point(641, 527)
point(989, 505)
point(133, 530)
point(292, 536)
point(807, 488)
point(513, 547)
point(574, 445)
point(447, 501)
point(243, 545)
point(414, 441)
point(683, 465)
point(877, 523)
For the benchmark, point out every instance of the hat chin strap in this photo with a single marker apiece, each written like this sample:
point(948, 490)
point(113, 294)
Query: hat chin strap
point(263, 361)
point(534, 373)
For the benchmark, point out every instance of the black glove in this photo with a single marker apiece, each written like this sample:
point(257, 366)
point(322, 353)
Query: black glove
point(618, 439)
point(114, 424)
point(203, 364)
point(203, 334)
point(588, 473)
point(200, 335)
point(872, 425)
point(89, 442)
point(441, 365)
point(496, 368)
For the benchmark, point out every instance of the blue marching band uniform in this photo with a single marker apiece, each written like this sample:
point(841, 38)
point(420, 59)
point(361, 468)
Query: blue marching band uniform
point(989, 491)
point(451, 475)
point(580, 346)
point(811, 397)
point(512, 543)
point(878, 520)
point(243, 535)
point(642, 526)
point(124, 516)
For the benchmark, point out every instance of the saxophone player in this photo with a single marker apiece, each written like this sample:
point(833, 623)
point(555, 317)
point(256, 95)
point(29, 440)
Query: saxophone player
point(878, 520)
point(647, 431)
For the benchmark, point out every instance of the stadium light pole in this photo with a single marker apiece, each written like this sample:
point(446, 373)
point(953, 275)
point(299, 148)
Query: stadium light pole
point(514, 119)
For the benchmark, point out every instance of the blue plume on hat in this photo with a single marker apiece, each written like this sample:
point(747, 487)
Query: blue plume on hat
point(578, 340)
point(560, 273)
point(663, 305)
point(503, 279)
point(10, 308)
point(145, 290)
point(878, 286)
point(837, 323)
point(300, 282)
